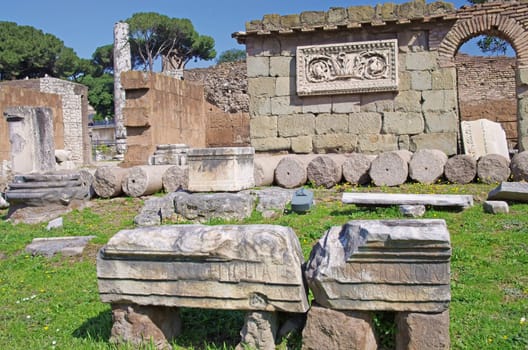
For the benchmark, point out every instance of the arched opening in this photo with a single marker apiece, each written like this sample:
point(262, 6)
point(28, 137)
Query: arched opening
point(486, 84)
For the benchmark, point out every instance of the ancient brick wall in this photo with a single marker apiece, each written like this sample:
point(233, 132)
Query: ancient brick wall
point(20, 93)
point(486, 89)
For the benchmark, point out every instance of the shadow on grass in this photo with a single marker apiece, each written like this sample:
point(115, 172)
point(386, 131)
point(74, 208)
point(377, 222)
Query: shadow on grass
point(96, 328)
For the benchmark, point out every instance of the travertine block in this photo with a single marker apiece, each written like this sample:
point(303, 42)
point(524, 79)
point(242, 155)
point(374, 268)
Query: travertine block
point(417, 331)
point(399, 123)
point(296, 125)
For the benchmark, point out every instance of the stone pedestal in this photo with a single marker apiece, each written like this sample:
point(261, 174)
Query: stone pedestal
point(31, 137)
point(220, 169)
point(173, 154)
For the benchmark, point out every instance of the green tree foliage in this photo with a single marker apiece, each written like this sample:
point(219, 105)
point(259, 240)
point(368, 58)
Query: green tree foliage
point(29, 52)
point(100, 94)
point(154, 36)
point(491, 44)
point(231, 55)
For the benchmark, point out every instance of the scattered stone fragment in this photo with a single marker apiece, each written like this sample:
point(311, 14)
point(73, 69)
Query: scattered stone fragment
point(519, 166)
point(138, 325)
point(512, 191)
point(495, 207)
point(493, 168)
point(427, 165)
point(108, 181)
point(381, 199)
point(460, 169)
point(324, 171)
point(176, 178)
point(412, 211)
point(156, 211)
point(55, 223)
point(290, 173)
point(336, 329)
point(272, 201)
point(259, 331)
point(390, 168)
point(144, 180)
point(356, 168)
point(67, 246)
point(201, 207)
point(422, 330)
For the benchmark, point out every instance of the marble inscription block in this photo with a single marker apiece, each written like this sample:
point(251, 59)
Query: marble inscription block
point(482, 137)
point(366, 66)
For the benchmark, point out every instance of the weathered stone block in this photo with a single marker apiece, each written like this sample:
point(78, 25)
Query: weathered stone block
point(284, 86)
point(332, 329)
point(445, 142)
point(332, 143)
point(286, 105)
point(522, 75)
point(421, 80)
point(404, 82)
point(422, 331)
point(250, 267)
point(258, 66)
point(376, 143)
point(412, 40)
point(384, 199)
point(261, 87)
point(346, 103)
point(271, 22)
point(296, 125)
point(259, 331)
point(220, 169)
point(495, 207)
point(349, 267)
point(259, 106)
point(263, 127)
point(331, 123)
point(360, 13)
point(301, 144)
point(337, 15)
point(270, 144)
point(364, 123)
point(444, 79)
point(282, 66)
point(201, 207)
point(290, 21)
point(408, 101)
point(402, 123)
point(424, 60)
point(439, 100)
point(313, 18)
point(514, 191)
point(440, 122)
point(317, 104)
point(378, 102)
point(519, 166)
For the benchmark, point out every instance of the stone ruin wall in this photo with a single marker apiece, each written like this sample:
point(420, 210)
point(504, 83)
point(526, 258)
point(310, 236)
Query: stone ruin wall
point(486, 89)
point(25, 93)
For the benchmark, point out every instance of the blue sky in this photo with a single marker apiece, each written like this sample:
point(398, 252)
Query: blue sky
point(86, 25)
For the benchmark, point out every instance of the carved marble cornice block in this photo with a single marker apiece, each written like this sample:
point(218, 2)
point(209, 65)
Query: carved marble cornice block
point(366, 66)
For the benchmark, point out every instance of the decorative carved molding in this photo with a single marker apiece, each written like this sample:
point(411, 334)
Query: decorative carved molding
point(366, 66)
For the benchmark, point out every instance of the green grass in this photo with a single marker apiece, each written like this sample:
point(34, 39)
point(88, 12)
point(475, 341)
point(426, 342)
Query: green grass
point(54, 303)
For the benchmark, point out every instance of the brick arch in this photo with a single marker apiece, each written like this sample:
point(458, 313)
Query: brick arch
point(496, 25)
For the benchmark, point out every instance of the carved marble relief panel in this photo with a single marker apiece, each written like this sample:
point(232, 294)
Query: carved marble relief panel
point(366, 66)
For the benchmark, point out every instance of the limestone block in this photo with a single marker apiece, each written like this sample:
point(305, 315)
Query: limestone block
point(108, 181)
point(388, 11)
point(356, 168)
point(290, 173)
point(263, 127)
point(408, 101)
point(259, 106)
point(493, 168)
point(421, 80)
point(313, 18)
point(271, 22)
point(272, 200)
point(334, 143)
point(376, 143)
point(390, 168)
point(282, 66)
point(324, 171)
point(66, 246)
point(337, 15)
point(482, 137)
point(460, 169)
point(422, 331)
point(404, 82)
point(354, 266)
point(399, 123)
point(138, 325)
point(440, 122)
point(301, 144)
point(439, 100)
point(404, 142)
point(269, 144)
point(384, 199)
point(334, 329)
point(360, 13)
point(261, 86)
point(220, 169)
point(296, 125)
point(282, 105)
point(445, 142)
point(331, 123)
point(175, 178)
point(201, 207)
point(439, 7)
point(364, 123)
point(156, 211)
point(412, 9)
point(317, 104)
point(143, 180)
point(513, 191)
point(258, 66)
point(290, 21)
point(444, 79)
point(495, 207)
point(246, 267)
point(259, 331)
point(346, 103)
point(284, 86)
point(522, 75)
point(412, 211)
point(423, 61)
point(427, 165)
point(377, 102)
point(519, 166)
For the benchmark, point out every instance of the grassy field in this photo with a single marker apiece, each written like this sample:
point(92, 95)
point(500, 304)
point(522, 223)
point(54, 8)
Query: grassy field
point(54, 303)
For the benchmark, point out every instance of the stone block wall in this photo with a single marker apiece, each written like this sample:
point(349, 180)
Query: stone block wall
point(13, 94)
point(486, 89)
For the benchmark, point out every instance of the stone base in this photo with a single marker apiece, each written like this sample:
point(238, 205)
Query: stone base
point(418, 331)
point(259, 332)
